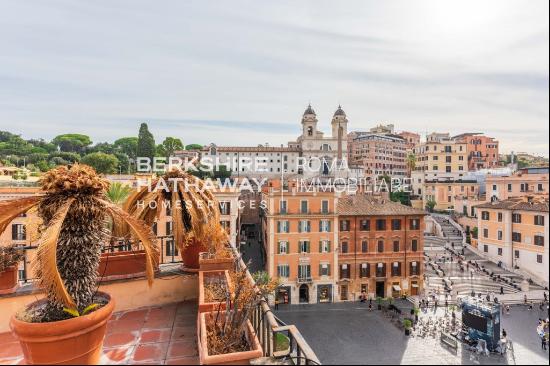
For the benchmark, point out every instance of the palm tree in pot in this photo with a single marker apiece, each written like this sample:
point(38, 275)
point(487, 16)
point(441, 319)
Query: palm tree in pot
point(194, 209)
point(74, 211)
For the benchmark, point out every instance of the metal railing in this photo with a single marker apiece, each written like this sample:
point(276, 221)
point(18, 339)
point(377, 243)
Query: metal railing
point(271, 330)
point(168, 253)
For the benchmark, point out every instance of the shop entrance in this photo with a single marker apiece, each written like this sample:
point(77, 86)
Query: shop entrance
point(380, 289)
point(304, 294)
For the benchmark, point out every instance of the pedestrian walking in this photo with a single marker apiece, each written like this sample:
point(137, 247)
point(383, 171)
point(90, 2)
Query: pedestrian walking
point(277, 304)
point(501, 290)
point(543, 338)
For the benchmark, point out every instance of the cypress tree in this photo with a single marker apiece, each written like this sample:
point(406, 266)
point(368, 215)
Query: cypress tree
point(146, 143)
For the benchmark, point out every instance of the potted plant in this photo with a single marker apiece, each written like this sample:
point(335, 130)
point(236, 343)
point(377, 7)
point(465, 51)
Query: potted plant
point(227, 336)
point(219, 255)
point(379, 302)
point(10, 257)
point(407, 324)
point(193, 207)
point(213, 288)
point(68, 326)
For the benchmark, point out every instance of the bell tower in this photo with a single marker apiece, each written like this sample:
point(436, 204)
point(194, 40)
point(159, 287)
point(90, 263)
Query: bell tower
point(309, 123)
point(340, 130)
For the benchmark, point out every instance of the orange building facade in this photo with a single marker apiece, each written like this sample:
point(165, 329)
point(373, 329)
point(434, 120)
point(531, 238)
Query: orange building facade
point(381, 248)
point(482, 150)
point(302, 244)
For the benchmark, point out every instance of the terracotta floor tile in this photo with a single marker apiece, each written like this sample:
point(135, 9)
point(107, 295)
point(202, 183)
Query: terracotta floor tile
point(158, 323)
point(121, 339)
point(183, 361)
point(10, 350)
point(164, 312)
point(134, 315)
point(155, 335)
point(184, 334)
point(117, 356)
point(150, 352)
point(182, 349)
point(121, 326)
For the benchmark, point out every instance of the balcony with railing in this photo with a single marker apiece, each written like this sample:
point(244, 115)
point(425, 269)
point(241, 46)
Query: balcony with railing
point(158, 324)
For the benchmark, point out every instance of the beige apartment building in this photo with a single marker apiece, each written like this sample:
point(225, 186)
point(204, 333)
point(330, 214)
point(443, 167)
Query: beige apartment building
point(448, 194)
point(440, 156)
point(515, 232)
point(528, 181)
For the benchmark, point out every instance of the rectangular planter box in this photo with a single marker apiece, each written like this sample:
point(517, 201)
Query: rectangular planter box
point(122, 265)
point(204, 276)
point(237, 358)
point(214, 264)
point(8, 281)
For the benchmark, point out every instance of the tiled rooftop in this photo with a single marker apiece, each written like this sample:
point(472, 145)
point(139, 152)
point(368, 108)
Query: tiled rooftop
point(537, 203)
point(364, 205)
point(154, 335)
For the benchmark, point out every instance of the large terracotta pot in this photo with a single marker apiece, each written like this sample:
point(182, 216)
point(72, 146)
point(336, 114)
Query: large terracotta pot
point(122, 265)
point(191, 255)
point(8, 280)
point(236, 358)
point(215, 264)
point(204, 276)
point(74, 341)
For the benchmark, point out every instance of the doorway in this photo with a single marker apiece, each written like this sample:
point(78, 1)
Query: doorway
point(304, 294)
point(380, 289)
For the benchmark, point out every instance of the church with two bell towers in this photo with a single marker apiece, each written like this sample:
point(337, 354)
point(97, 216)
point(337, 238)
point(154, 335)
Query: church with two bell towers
point(318, 154)
point(314, 145)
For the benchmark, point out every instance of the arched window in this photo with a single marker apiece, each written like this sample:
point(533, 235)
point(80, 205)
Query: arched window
point(310, 131)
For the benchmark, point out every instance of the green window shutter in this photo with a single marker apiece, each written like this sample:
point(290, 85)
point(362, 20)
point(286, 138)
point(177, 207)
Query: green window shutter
point(320, 269)
point(328, 245)
point(320, 246)
point(279, 248)
point(308, 245)
point(328, 269)
point(329, 226)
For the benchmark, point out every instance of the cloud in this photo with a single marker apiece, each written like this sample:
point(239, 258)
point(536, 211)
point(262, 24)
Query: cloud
point(242, 72)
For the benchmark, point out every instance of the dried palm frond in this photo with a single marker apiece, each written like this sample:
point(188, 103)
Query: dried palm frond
point(10, 209)
point(46, 258)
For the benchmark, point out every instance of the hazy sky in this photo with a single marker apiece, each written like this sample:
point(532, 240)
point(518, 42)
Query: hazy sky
point(242, 72)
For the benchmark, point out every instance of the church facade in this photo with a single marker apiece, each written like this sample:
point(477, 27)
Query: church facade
point(311, 154)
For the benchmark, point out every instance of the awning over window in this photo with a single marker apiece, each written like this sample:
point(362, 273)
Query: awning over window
point(397, 288)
